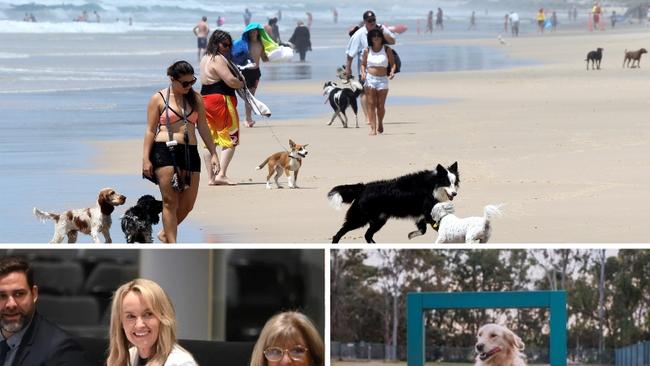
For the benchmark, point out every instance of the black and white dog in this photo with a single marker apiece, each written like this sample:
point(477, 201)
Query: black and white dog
point(408, 196)
point(138, 220)
point(341, 96)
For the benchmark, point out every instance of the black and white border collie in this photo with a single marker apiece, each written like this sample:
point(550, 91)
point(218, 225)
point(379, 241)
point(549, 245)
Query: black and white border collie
point(408, 196)
point(341, 96)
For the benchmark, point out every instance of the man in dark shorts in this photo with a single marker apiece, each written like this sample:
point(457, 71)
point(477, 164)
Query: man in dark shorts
point(201, 31)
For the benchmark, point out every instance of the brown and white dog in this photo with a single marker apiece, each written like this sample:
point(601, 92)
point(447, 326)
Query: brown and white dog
point(90, 221)
point(287, 161)
point(497, 345)
point(633, 56)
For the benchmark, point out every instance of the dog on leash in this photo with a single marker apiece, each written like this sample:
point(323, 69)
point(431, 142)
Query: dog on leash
point(452, 229)
point(408, 196)
point(90, 221)
point(497, 345)
point(594, 57)
point(341, 96)
point(287, 161)
point(138, 220)
point(633, 56)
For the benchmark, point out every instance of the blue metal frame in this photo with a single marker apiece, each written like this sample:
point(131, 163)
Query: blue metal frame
point(418, 302)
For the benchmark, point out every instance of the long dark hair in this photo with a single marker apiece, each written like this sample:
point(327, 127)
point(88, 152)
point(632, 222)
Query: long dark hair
point(179, 69)
point(217, 37)
point(376, 32)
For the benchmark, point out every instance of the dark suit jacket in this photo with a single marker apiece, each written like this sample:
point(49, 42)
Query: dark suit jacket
point(45, 344)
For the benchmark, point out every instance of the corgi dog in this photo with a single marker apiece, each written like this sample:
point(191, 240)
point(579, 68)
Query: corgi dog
point(287, 161)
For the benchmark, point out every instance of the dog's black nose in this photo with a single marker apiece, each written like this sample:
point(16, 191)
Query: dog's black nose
point(453, 194)
point(479, 347)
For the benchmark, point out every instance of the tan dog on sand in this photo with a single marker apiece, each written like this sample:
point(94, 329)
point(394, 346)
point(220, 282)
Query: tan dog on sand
point(287, 161)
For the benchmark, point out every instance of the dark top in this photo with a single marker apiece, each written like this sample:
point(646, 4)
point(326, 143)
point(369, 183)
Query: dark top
point(301, 38)
point(45, 344)
point(220, 87)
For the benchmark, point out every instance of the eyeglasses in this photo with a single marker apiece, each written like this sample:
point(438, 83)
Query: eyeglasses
point(275, 354)
point(186, 84)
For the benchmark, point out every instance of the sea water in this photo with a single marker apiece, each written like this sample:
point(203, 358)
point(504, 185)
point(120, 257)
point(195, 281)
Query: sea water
point(64, 83)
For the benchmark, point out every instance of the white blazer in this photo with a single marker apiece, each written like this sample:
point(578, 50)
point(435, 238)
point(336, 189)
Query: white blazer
point(178, 357)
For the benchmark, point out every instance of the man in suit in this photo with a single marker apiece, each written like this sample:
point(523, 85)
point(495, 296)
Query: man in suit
point(26, 338)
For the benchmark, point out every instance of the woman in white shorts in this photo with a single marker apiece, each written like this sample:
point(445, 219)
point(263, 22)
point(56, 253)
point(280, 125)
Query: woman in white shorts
point(375, 74)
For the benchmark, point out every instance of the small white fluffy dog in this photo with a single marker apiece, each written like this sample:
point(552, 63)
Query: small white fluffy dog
point(452, 229)
point(497, 345)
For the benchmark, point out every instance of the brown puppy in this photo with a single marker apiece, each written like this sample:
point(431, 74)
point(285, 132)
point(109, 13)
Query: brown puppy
point(287, 161)
point(632, 56)
point(90, 221)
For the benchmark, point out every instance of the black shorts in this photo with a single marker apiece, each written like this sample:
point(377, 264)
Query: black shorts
point(202, 42)
point(161, 156)
point(252, 76)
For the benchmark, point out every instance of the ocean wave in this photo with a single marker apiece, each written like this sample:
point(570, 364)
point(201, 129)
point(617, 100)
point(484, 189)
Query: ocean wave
point(9, 55)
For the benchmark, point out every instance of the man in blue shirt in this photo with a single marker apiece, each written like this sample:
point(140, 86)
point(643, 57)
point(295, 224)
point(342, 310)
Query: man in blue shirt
point(26, 338)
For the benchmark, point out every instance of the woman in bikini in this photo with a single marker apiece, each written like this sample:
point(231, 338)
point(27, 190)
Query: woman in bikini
point(375, 73)
point(218, 91)
point(173, 116)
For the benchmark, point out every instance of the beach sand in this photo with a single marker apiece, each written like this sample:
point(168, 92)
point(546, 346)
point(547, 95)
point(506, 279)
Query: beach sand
point(564, 149)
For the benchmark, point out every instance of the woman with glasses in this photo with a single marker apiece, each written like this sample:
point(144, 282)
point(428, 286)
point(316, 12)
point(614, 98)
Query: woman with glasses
point(377, 66)
point(169, 149)
point(288, 338)
point(218, 91)
point(143, 328)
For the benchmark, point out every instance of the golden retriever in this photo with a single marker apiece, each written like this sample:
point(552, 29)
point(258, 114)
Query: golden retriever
point(497, 345)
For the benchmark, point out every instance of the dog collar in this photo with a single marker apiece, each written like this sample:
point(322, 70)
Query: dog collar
point(435, 225)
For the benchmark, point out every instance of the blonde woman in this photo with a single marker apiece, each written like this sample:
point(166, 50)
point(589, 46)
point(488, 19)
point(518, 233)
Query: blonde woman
point(288, 338)
point(143, 328)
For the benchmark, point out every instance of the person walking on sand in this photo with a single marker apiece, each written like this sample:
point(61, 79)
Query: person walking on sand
point(247, 17)
point(553, 22)
point(541, 20)
point(613, 18)
point(514, 23)
point(429, 22)
point(170, 156)
point(472, 21)
point(201, 31)
point(248, 51)
point(439, 19)
point(359, 42)
point(218, 91)
point(377, 67)
point(301, 40)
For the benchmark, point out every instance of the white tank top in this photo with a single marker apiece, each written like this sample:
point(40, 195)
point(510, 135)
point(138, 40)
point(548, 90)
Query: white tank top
point(377, 59)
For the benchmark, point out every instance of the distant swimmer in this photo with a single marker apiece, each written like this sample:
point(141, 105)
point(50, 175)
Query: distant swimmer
point(201, 31)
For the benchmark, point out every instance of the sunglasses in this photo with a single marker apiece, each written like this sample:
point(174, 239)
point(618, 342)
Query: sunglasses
point(186, 84)
point(371, 20)
point(275, 354)
point(226, 45)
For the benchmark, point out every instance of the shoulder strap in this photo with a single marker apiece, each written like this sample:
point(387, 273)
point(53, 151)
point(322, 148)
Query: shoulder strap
point(168, 124)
